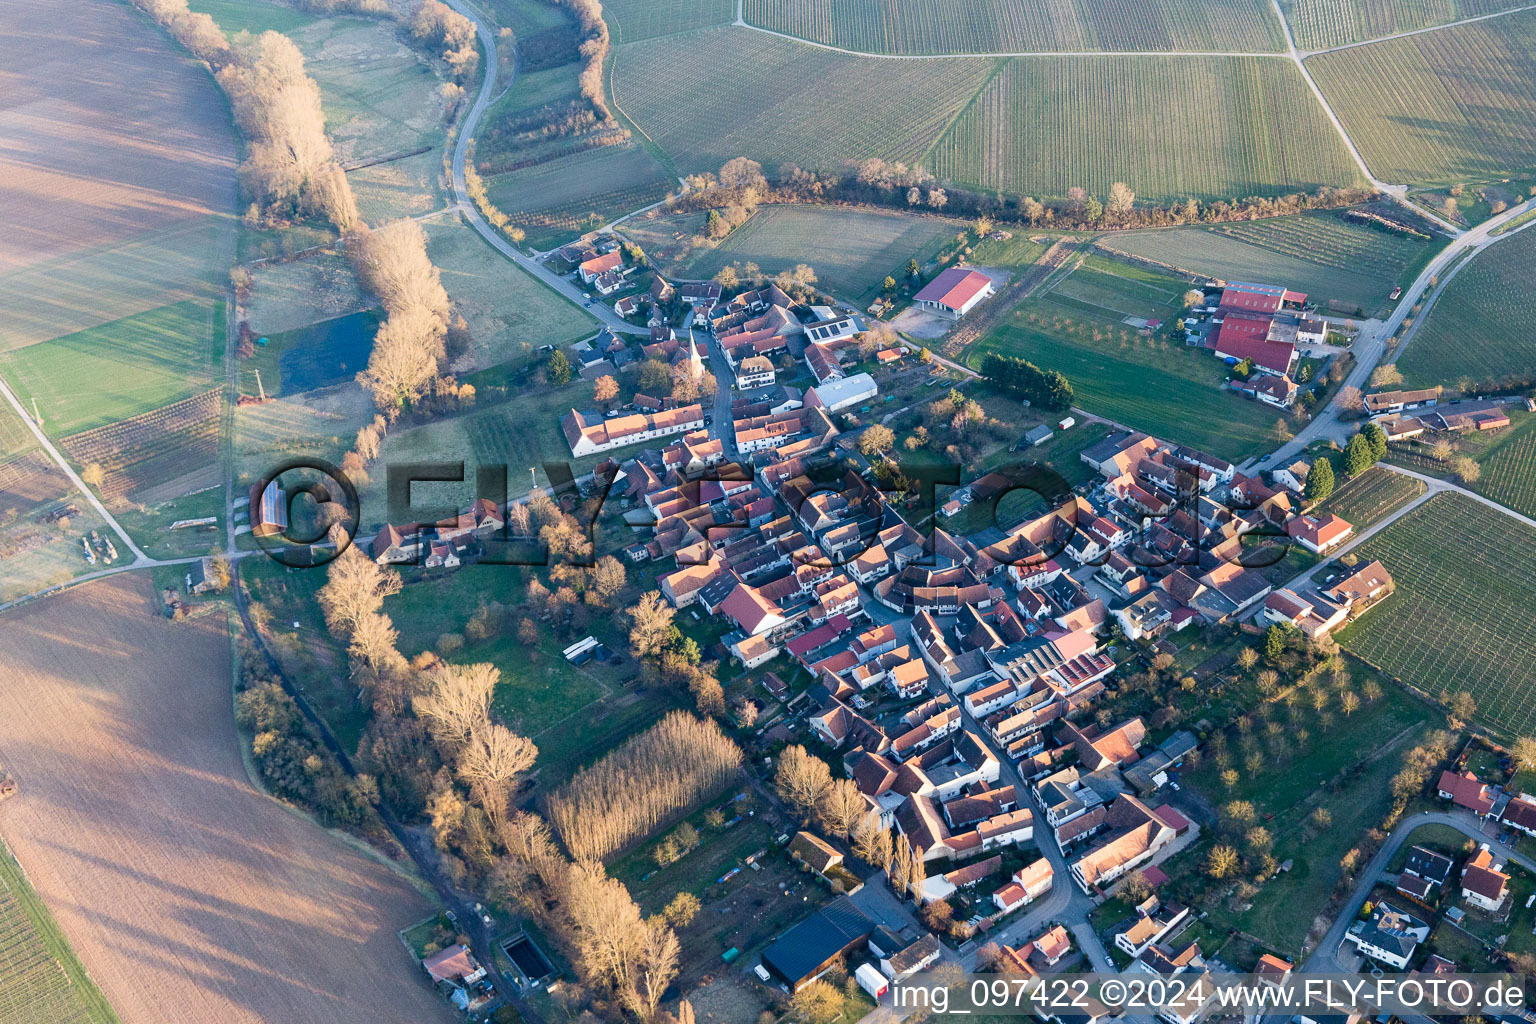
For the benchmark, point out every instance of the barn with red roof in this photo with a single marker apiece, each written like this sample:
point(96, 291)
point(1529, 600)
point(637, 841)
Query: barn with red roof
point(955, 292)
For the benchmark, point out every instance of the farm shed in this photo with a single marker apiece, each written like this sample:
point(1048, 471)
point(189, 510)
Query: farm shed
point(806, 951)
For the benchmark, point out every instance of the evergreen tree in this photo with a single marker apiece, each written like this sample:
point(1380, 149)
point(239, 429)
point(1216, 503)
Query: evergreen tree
point(1319, 480)
point(1377, 439)
point(559, 369)
point(1358, 456)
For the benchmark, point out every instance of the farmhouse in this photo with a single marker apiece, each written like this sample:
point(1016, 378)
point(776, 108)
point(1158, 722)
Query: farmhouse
point(1397, 401)
point(588, 433)
point(955, 292)
point(1242, 336)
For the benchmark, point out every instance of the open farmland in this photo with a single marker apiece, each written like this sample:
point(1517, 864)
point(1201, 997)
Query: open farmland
point(1454, 105)
point(1332, 260)
point(563, 195)
point(41, 982)
point(852, 250)
point(120, 369)
point(509, 312)
point(726, 92)
point(1372, 496)
point(1318, 24)
point(1460, 617)
point(1046, 124)
point(187, 895)
point(631, 20)
point(1004, 26)
point(173, 448)
point(117, 186)
point(1483, 326)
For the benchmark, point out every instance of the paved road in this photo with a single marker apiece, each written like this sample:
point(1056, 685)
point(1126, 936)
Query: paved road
point(139, 557)
point(1325, 957)
point(1371, 345)
point(599, 310)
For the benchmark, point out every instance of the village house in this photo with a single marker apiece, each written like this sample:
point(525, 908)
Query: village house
point(1029, 883)
point(1483, 885)
point(1389, 936)
point(588, 433)
point(754, 372)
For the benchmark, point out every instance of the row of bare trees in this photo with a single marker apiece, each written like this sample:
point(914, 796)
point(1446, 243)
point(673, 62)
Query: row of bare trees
point(197, 32)
point(392, 263)
point(618, 952)
point(594, 51)
point(439, 25)
point(638, 788)
point(289, 167)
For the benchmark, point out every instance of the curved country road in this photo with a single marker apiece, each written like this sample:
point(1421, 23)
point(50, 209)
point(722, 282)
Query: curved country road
point(599, 310)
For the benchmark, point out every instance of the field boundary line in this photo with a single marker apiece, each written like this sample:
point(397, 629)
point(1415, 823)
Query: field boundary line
point(741, 22)
point(139, 557)
point(1416, 31)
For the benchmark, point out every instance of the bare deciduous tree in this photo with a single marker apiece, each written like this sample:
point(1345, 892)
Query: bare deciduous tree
point(491, 760)
point(841, 806)
point(802, 780)
point(458, 700)
point(356, 586)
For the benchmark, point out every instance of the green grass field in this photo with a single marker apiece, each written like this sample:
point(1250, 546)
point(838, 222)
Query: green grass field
point(1456, 105)
point(559, 198)
point(1046, 124)
point(709, 96)
point(1018, 26)
point(1332, 260)
point(254, 16)
point(122, 368)
point(1460, 617)
point(1165, 388)
point(1318, 24)
point(1372, 496)
point(41, 982)
point(631, 20)
point(1319, 766)
point(509, 312)
point(1482, 329)
point(852, 250)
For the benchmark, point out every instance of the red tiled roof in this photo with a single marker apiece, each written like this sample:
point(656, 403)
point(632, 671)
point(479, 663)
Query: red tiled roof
point(954, 287)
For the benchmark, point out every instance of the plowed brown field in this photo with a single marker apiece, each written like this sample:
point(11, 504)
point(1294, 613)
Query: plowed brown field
point(189, 896)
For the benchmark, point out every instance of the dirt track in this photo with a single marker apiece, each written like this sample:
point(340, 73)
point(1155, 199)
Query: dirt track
point(188, 896)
